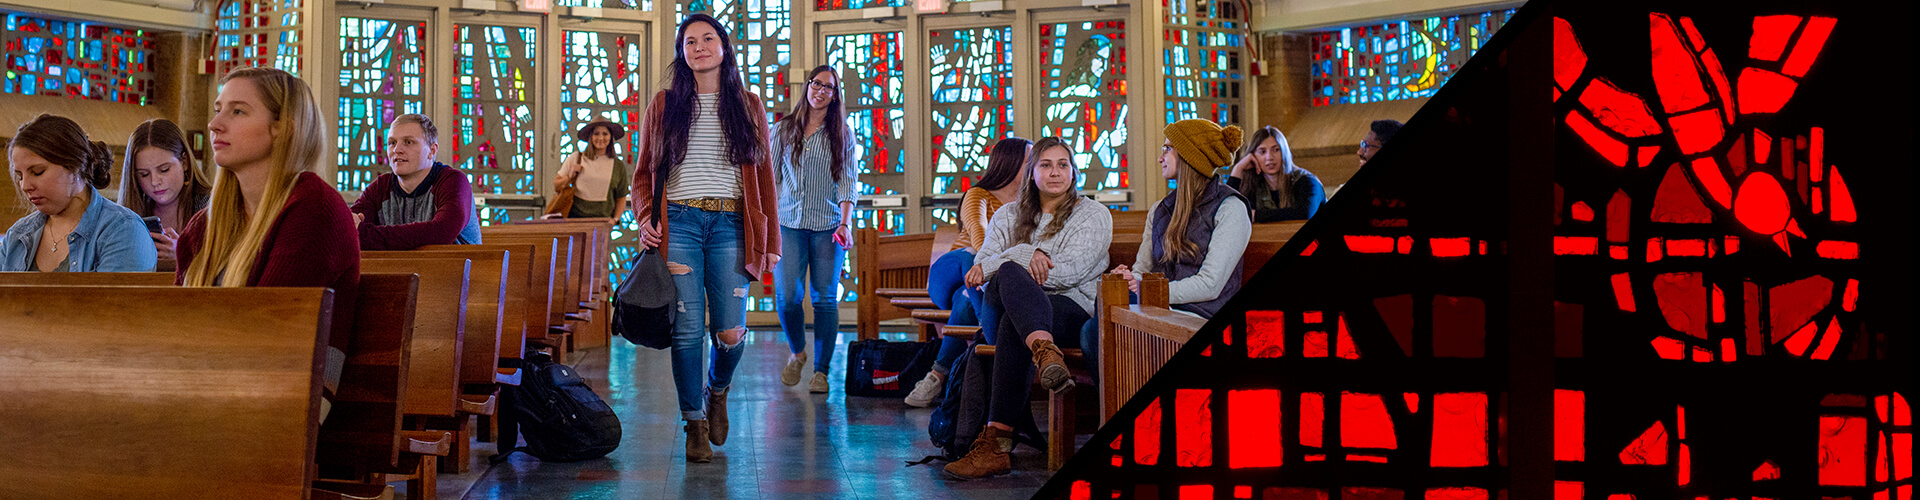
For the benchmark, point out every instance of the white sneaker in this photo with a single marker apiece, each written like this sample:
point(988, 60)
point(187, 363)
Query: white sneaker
point(927, 390)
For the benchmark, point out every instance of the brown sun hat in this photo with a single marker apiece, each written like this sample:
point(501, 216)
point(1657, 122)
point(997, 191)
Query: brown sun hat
point(586, 131)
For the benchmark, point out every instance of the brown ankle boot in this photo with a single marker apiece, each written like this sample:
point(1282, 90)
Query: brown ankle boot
point(717, 415)
point(697, 449)
point(986, 458)
point(1053, 366)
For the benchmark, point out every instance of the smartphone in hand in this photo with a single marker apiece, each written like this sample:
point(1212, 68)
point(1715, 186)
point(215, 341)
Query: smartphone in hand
point(153, 224)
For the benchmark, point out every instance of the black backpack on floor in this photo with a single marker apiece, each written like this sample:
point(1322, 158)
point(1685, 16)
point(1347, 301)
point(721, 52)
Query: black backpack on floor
point(957, 421)
point(562, 419)
point(881, 369)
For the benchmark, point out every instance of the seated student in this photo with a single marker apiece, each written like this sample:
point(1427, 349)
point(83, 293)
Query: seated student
point(600, 178)
point(1041, 267)
point(1280, 190)
point(423, 202)
point(1198, 234)
point(272, 221)
point(159, 179)
point(946, 279)
point(72, 228)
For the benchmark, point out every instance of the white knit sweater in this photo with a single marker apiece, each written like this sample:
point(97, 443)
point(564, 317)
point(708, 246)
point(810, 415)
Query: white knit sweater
point(1079, 250)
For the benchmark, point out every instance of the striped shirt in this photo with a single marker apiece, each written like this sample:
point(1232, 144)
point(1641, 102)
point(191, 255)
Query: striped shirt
point(707, 171)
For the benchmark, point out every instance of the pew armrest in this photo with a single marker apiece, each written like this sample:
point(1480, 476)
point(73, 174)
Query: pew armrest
point(913, 303)
point(1159, 322)
point(937, 316)
point(479, 404)
point(509, 376)
point(325, 489)
point(960, 332)
point(434, 443)
point(900, 292)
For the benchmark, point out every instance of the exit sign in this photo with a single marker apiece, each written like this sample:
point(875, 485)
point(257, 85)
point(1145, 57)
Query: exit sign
point(536, 5)
point(930, 6)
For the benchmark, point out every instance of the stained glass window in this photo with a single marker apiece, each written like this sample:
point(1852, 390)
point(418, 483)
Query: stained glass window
point(971, 76)
point(78, 60)
point(761, 31)
point(1083, 67)
point(1399, 60)
point(1204, 60)
point(262, 33)
point(601, 79)
point(645, 5)
point(872, 76)
point(493, 99)
point(382, 68)
point(857, 4)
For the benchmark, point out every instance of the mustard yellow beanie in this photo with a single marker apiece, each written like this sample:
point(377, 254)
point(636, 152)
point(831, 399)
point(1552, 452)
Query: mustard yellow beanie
point(1204, 145)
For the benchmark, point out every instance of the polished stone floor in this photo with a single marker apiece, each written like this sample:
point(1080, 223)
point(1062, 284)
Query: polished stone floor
point(785, 444)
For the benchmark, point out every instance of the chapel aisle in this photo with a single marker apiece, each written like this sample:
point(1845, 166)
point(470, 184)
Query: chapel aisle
point(785, 444)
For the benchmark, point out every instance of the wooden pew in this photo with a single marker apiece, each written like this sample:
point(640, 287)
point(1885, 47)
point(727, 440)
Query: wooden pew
point(550, 270)
point(587, 274)
point(600, 287)
point(892, 262)
point(363, 440)
point(516, 309)
point(101, 405)
point(87, 279)
point(1136, 339)
point(473, 389)
point(433, 368)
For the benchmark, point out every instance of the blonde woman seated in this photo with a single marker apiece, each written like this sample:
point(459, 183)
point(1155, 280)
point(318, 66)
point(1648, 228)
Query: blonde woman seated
point(1197, 234)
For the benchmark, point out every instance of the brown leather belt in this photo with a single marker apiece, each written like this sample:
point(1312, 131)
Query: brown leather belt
point(711, 204)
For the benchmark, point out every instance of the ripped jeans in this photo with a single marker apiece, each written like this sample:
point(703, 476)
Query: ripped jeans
point(713, 299)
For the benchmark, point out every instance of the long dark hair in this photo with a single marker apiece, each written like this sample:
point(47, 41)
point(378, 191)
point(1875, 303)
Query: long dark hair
point(61, 142)
point(164, 135)
point(743, 140)
point(1029, 213)
point(793, 127)
point(1004, 162)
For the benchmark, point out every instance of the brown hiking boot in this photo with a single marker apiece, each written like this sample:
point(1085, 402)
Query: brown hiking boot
point(985, 458)
point(717, 414)
point(1053, 366)
point(697, 449)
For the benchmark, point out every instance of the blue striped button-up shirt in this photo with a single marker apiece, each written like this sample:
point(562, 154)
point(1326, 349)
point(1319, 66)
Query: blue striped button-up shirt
point(809, 197)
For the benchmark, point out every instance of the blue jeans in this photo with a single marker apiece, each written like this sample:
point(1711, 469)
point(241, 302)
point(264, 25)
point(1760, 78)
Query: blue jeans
point(713, 298)
point(946, 286)
point(809, 260)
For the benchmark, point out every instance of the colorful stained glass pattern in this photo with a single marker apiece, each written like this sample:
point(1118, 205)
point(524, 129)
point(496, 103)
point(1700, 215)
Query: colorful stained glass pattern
point(762, 47)
point(643, 5)
point(263, 33)
point(493, 99)
point(382, 76)
point(871, 67)
point(1402, 60)
point(601, 80)
point(857, 4)
point(1204, 60)
point(78, 60)
point(971, 74)
point(1083, 67)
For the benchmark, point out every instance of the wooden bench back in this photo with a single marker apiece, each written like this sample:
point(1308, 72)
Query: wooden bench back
point(1129, 221)
point(363, 431)
point(439, 324)
point(599, 252)
point(493, 309)
point(541, 299)
point(887, 262)
point(160, 392)
point(583, 245)
point(551, 268)
point(87, 279)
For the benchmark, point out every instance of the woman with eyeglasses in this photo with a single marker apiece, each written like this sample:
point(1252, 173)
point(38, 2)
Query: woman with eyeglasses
point(814, 174)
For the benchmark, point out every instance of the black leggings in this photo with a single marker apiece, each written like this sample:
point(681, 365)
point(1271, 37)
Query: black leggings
point(1024, 308)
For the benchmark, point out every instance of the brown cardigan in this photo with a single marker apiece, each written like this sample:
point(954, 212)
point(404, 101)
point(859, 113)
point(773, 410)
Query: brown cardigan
point(759, 210)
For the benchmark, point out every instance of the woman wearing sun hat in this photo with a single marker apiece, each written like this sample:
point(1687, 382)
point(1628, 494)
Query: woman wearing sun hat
point(598, 176)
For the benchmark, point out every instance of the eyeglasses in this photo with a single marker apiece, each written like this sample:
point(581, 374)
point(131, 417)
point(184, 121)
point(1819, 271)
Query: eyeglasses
point(818, 85)
point(1369, 145)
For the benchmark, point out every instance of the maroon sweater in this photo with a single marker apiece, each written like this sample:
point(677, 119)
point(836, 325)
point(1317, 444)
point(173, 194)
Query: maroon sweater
point(313, 244)
point(438, 212)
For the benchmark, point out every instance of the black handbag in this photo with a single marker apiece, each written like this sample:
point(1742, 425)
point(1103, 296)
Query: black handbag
point(882, 369)
point(644, 305)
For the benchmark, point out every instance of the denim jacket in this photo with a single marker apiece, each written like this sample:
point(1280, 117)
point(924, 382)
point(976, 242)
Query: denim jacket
point(110, 238)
